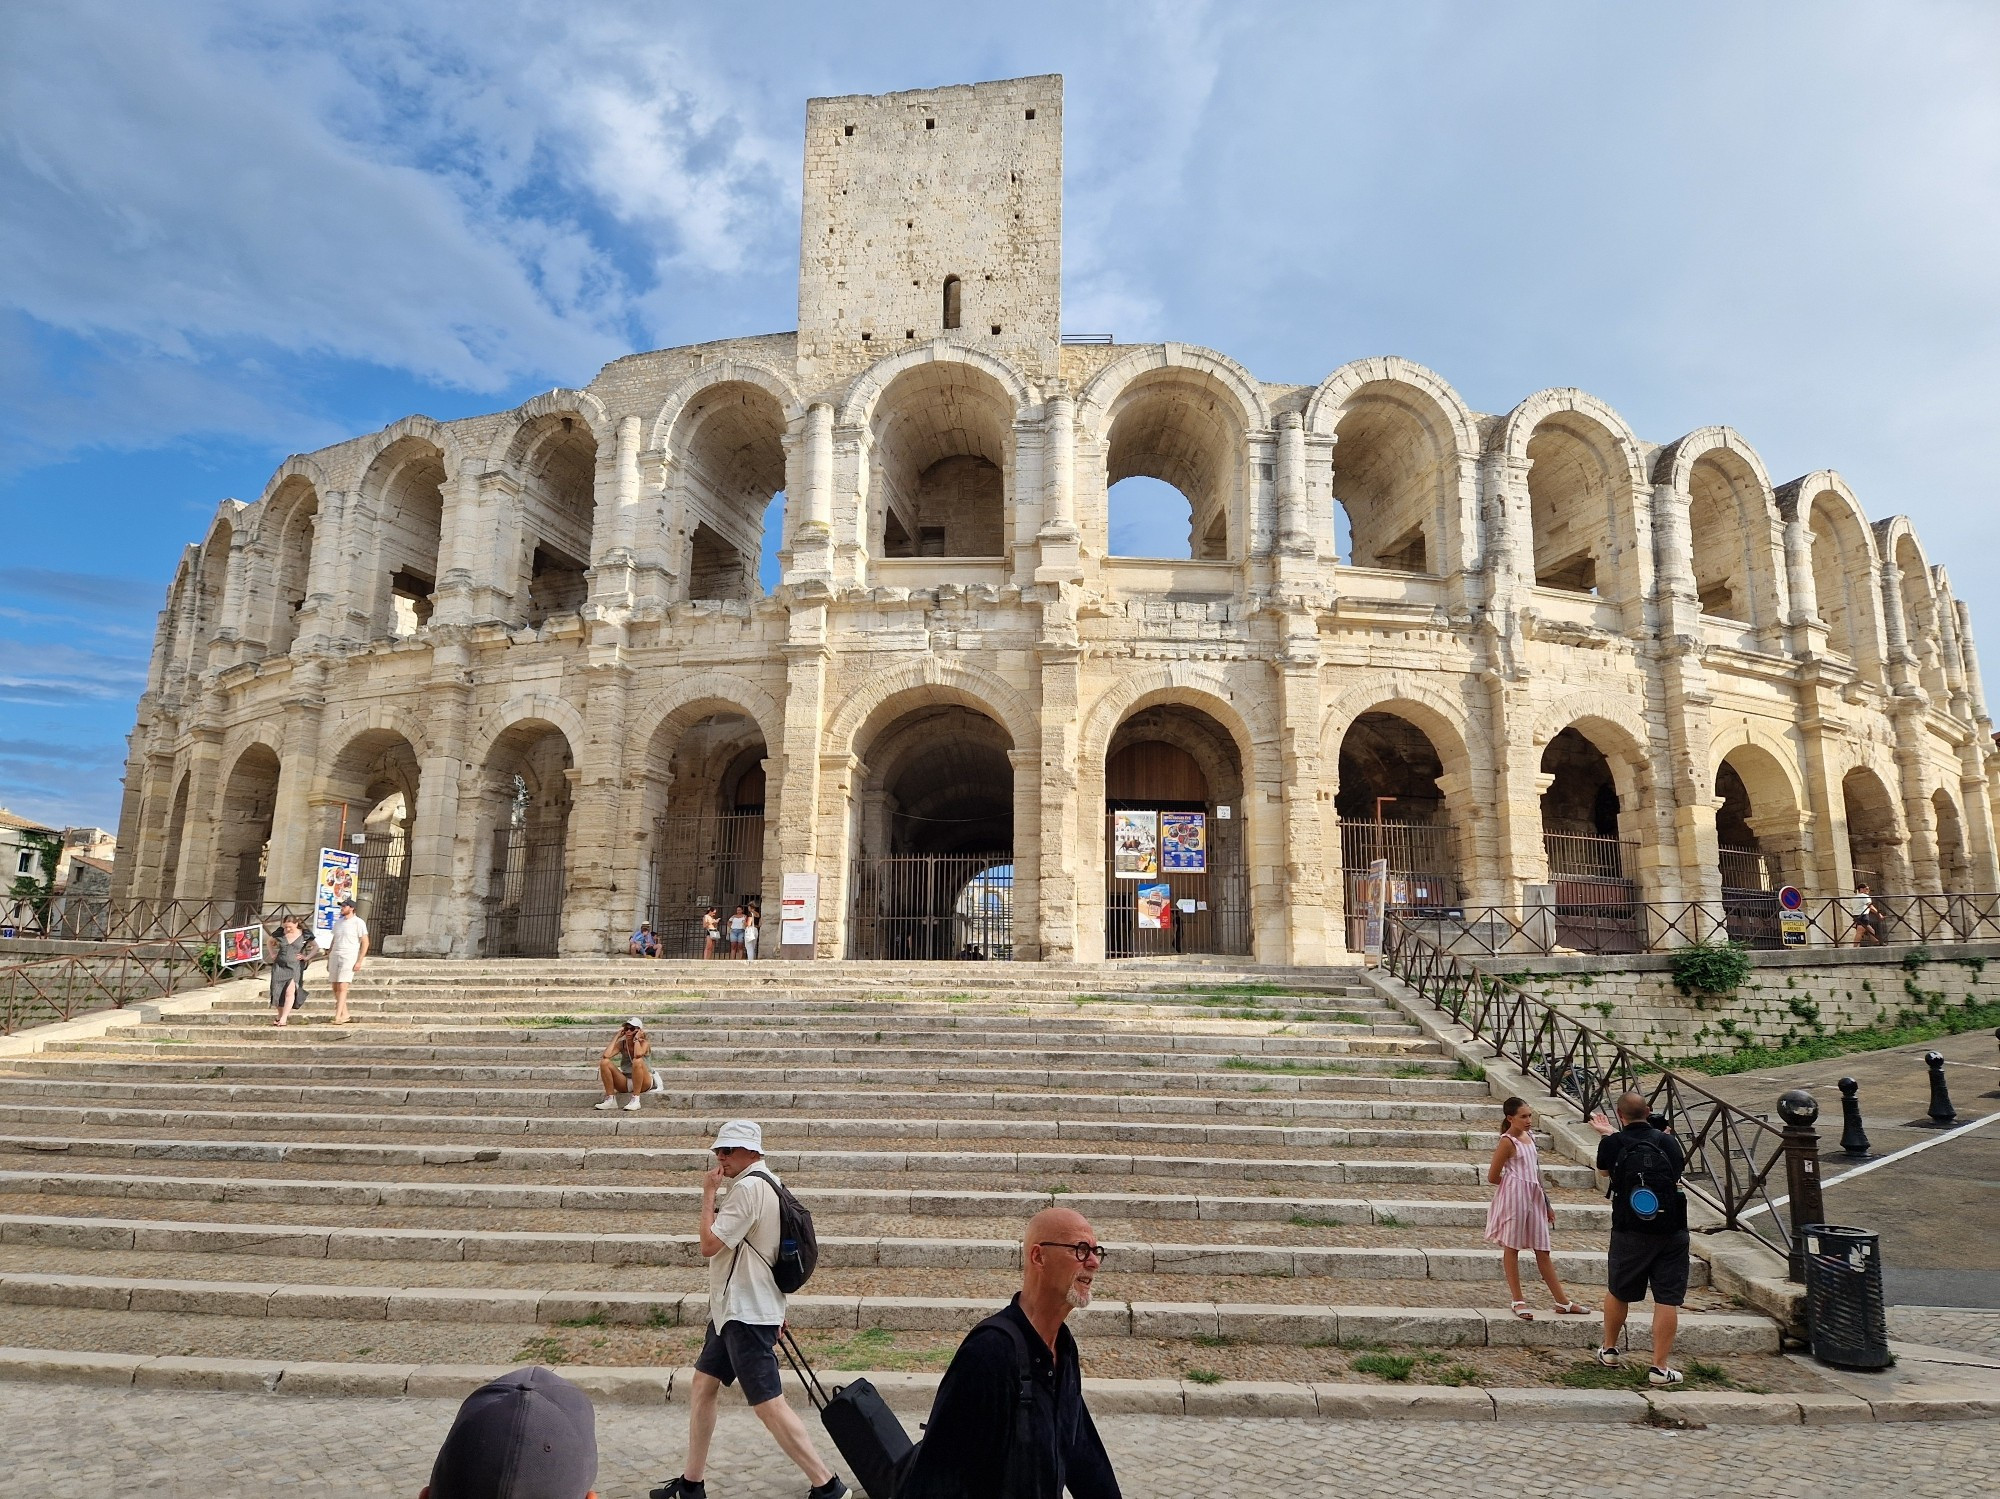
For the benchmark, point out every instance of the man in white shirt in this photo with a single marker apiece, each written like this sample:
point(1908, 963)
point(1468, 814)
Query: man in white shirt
point(746, 1309)
point(344, 951)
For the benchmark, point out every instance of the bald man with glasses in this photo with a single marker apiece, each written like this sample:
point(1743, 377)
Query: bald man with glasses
point(1009, 1420)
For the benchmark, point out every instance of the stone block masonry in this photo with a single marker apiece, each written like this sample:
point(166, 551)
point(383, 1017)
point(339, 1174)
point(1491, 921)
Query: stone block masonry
point(525, 664)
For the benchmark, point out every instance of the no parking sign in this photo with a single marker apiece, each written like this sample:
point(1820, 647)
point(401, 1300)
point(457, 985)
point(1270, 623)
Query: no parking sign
point(1791, 917)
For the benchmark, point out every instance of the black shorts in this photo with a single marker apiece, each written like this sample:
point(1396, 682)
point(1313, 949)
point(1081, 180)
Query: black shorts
point(1641, 1261)
point(747, 1351)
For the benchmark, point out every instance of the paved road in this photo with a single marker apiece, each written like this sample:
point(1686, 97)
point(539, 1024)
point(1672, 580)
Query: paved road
point(73, 1442)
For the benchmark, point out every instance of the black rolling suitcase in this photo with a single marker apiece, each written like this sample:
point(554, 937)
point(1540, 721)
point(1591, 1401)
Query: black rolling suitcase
point(860, 1422)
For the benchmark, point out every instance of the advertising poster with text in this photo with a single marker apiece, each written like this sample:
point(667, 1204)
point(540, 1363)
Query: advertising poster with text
point(1184, 842)
point(1135, 845)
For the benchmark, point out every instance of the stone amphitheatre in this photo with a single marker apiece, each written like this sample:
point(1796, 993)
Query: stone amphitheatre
point(526, 664)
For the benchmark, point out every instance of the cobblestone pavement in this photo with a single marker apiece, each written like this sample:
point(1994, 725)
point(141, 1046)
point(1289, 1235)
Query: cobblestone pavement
point(72, 1441)
point(1966, 1330)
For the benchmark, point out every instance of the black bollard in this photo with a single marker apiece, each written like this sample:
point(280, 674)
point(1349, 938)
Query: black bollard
point(1853, 1138)
point(1941, 1112)
point(1799, 1112)
point(1993, 1093)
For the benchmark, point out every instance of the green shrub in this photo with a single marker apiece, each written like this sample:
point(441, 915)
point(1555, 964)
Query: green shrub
point(1710, 967)
point(1916, 957)
point(209, 960)
point(1391, 1366)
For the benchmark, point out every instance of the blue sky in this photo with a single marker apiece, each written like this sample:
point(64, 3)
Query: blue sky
point(237, 231)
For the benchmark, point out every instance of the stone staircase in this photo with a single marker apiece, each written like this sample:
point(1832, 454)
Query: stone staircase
point(1286, 1170)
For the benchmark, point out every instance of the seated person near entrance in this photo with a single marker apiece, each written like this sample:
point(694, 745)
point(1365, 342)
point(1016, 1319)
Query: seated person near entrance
point(622, 1068)
point(644, 944)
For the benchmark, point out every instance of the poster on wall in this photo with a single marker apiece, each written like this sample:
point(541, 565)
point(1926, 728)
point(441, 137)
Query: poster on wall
point(1374, 895)
point(1156, 907)
point(241, 944)
point(337, 870)
point(1184, 842)
point(1135, 845)
point(798, 910)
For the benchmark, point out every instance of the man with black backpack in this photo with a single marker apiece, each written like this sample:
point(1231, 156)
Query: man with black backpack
point(749, 1256)
point(1649, 1230)
point(1009, 1420)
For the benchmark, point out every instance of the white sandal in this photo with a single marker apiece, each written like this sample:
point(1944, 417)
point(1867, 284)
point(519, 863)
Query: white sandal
point(1521, 1311)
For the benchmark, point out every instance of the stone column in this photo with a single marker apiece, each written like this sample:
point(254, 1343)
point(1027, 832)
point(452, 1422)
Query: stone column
point(806, 663)
point(1975, 692)
point(600, 867)
point(1808, 629)
point(1313, 932)
point(291, 865)
point(319, 619)
point(195, 878)
point(1902, 663)
point(810, 502)
point(837, 774)
point(1785, 838)
point(1028, 851)
point(1061, 542)
point(1063, 826)
point(442, 855)
point(1294, 532)
point(1954, 663)
point(614, 530)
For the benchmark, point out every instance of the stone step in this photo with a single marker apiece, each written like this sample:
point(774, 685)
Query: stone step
point(500, 1102)
point(666, 1034)
point(1700, 1334)
point(1018, 1108)
point(957, 1021)
point(1045, 1165)
point(1357, 1079)
point(837, 1252)
point(827, 1202)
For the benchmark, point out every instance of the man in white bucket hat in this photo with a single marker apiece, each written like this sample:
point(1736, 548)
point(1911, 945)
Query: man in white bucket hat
point(745, 1312)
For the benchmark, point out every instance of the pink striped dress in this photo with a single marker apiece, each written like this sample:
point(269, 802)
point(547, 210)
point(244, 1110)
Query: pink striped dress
point(1519, 1217)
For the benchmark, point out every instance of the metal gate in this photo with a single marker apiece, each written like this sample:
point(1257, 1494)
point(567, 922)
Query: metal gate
point(1423, 876)
point(1597, 906)
point(932, 906)
point(1749, 901)
point(385, 881)
point(524, 897)
point(702, 859)
point(1207, 912)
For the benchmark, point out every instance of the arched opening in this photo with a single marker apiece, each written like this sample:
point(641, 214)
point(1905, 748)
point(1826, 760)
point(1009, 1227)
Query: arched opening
point(1759, 843)
point(211, 591)
point(1840, 573)
point(941, 464)
point(525, 791)
point(1874, 834)
point(1730, 528)
point(555, 459)
point(1176, 872)
point(1392, 469)
point(243, 833)
point(1575, 484)
point(371, 807)
point(707, 808)
point(290, 525)
point(954, 302)
point(1920, 623)
point(1184, 432)
point(1954, 866)
point(933, 835)
point(1390, 808)
point(729, 452)
point(407, 481)
point(170, 849)
point(1592, 865)
point(1149, 518)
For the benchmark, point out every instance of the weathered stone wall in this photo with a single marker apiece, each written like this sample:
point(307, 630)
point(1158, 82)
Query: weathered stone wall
point(1788, 996)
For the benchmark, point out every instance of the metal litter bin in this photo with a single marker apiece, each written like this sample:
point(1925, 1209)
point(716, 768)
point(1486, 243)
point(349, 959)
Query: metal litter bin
point(1844, 1312)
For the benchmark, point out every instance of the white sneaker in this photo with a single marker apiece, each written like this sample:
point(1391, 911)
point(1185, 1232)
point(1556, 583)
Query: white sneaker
point(609, 1103)
point(632, 1104)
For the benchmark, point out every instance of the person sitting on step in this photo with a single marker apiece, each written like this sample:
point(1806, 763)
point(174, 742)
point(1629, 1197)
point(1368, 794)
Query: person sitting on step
point(623, 1068)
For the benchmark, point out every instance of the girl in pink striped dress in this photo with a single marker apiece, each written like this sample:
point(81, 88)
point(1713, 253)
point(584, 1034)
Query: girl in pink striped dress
point(1521, 1213)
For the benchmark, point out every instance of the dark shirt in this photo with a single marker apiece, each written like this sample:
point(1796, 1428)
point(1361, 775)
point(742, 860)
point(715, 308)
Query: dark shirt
point(964, 1451)
point(1613, 1146)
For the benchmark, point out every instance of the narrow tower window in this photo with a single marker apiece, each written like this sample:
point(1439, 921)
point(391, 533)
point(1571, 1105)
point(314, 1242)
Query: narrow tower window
point(952, 302)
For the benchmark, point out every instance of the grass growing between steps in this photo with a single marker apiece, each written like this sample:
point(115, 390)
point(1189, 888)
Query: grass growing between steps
point(1588, 1374)
point(1912, 1027)
point(549, 1022)
point(1314, 1069)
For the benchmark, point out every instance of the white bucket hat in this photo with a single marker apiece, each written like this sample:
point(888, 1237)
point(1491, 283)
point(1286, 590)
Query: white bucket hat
point(742, 1133)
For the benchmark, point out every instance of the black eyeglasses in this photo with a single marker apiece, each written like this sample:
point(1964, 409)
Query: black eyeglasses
point(1082, 1251)
point(723, 1150)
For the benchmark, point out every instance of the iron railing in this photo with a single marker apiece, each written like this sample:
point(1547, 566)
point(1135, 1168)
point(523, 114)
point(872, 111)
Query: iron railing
point(1751, 917)
point(41, 991)
point(99, 918)
point(933, 906)
point(1732, 1156)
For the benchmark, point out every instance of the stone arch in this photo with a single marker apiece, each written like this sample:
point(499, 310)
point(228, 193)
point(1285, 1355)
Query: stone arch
point(893, 692)
point(858, 406)
point(1442, 718)
point(522, 824)
point(692, 698)
point(553, 451)
point(245, 812)
point(667, 421)
point(1406, 446)
point(939, 474)
point(450, 450)
point(1760, 819)
point(1584, 528)
point(392, 717)
point(530, 707)
point(1953, 854)
point(726, 459)
point(1846, 569)
point(1877, 832)
point(1736, 551)
point(402, 501)
point(280, 561)
point(367, 796)
point(1184, 683)
point(581, 405)
point(1922, 638)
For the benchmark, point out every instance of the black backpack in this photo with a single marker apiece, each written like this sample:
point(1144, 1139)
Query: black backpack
point(1645, 1188)
point(798, 1244)
point(1016, 1468)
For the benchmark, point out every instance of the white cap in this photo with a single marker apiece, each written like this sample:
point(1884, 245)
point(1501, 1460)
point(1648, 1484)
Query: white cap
point(635, 1022)
point(740, 1132)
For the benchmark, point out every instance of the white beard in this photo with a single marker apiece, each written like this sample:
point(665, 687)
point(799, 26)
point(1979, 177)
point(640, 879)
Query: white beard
point(1077, 1296)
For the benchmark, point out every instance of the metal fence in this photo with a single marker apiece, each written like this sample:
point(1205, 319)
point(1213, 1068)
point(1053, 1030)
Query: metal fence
point(40, 991)
point(99, 918)
point(703, 859)
point(1206, 911)
point(524, 898)
point(932, 906)
point(1422, 873)
point(1732, 1156)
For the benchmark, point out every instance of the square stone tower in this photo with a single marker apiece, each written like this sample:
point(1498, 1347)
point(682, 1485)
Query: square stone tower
point(935, 213)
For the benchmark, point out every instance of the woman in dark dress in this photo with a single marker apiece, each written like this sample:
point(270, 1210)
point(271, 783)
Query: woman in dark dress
point(295, 948)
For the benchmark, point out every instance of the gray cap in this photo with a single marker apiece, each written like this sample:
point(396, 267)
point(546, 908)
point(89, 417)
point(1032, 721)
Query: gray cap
point(527, 1435)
